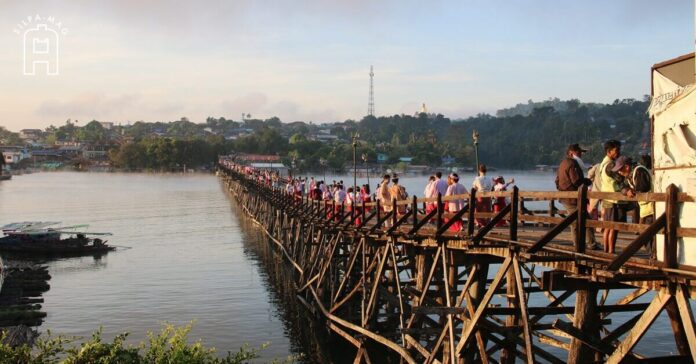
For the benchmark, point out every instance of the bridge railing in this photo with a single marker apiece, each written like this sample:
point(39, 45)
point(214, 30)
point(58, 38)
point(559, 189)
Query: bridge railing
point(429, 217)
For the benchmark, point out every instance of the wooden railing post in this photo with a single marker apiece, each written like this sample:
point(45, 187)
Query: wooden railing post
point(395, 216)
point(333, 209)
point(552, 208)
point(472, 210)
point(379, 211)
point(672, 223)
point(439, 211)
point(363, 212)
point(514, 201)
point(580, 223)
point(352, 209)
point(414, 208)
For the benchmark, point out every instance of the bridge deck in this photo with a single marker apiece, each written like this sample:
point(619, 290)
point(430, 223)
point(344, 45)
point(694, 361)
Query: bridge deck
point(496, 277)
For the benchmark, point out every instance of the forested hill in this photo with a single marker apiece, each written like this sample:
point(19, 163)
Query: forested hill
point(517, 141)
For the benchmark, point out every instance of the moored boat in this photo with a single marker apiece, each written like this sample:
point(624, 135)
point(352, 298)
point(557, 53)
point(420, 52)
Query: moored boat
point(40, 238)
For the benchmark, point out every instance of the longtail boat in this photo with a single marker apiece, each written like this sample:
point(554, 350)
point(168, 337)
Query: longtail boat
point(44, 238)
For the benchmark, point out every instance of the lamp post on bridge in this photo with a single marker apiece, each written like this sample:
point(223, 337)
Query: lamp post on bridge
point(355, 163)
point(475, 136)
point(367, 172)
point(322, 162)
point(293, 164)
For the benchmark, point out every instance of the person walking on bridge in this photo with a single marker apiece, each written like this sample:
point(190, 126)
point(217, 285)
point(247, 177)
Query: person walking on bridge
point(610, 181)
point(570, 177)
point(453, 206)
point(638, 180)
point(440, 184)
point(482, 184)
point(398, 193)
point(430, 192)
point(383, 195)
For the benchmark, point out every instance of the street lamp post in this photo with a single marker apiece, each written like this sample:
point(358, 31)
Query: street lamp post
point(322, 161)
point(355, 163)
point(367, 172)
point(475, 136)
point(293, 166)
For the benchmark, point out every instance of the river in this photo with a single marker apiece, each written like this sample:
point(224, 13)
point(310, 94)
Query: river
point(186, 254)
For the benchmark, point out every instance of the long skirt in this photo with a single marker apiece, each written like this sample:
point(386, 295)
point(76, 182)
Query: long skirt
point(483, 204)
point(499, 204)
point(457, 225)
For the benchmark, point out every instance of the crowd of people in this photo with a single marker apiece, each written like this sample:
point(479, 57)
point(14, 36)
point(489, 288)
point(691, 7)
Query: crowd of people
point(389, 190)
point(615, 173)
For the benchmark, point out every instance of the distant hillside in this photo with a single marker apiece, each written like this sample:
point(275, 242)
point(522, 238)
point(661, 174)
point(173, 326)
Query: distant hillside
point(518, 137)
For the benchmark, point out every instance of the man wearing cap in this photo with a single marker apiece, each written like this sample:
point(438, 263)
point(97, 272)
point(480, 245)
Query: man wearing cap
point(638, 179)
point(570, 177)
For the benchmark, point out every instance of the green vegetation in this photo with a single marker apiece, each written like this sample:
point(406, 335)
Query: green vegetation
point(518, 137)
point(169, 346)
point(156, 153)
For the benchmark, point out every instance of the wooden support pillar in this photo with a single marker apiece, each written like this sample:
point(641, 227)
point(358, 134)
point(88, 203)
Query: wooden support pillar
point(414, 208)
point(585, 318)
point(671, 226)
point(477, 290)
point(514, 210)
point(677, 327)
point(507, 355)
point(671, 259)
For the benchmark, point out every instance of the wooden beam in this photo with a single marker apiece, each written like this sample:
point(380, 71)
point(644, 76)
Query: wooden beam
point(586, 339)
point(687, 317)
point(553, 233)
point(524, 315)
point(632, 338)
point(491, 224)
point(645, 237)
point(471, 326)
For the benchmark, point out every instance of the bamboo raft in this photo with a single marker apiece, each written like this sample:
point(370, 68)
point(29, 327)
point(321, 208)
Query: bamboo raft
point(402, 286)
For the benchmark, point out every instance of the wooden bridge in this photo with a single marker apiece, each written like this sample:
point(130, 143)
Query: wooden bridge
point(403, 287)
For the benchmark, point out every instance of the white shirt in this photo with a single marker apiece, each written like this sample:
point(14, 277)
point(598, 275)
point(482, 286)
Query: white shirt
point(326, 195)
point(340, 196)
point(455, 189)
point(481, 183)
point(430, 190)
point(353, 198)
point(500, 187)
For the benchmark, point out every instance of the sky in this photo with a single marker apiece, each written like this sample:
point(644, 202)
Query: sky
point(156, 60)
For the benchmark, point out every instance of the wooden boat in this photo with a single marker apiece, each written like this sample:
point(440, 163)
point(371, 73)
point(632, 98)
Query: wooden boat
point(39, 238)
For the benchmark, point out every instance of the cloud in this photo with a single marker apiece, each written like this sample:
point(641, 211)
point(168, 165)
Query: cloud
point(249, 103)
point(260, 106)
point(89, 105)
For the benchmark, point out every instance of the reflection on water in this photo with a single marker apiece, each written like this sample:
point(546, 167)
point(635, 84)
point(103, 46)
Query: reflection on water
point(189, 260)
point(306, 334)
